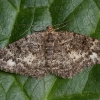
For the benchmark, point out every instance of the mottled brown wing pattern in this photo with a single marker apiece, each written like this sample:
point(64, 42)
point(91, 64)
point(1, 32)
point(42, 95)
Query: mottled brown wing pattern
point(73, 52)
point(60, 53)
point(25, 56)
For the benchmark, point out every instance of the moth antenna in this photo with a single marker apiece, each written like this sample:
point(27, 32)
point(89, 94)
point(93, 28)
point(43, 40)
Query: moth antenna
point(63, 23)
point(60, 27)
point(38, 31)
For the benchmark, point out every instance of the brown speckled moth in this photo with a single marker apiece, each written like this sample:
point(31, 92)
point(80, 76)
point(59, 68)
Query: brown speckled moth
point(61, 53)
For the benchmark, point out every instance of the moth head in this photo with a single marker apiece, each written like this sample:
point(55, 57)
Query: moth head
point(50, 33)
point(49, 29)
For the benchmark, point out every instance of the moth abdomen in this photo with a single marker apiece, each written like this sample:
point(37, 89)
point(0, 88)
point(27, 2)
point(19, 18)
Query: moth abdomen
point(50, 47)
point(49, 51)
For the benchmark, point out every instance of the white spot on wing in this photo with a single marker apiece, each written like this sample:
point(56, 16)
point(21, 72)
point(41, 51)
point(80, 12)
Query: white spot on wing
point(29, 59)
point(11, 63)
point(75, 55)
point(93, 55)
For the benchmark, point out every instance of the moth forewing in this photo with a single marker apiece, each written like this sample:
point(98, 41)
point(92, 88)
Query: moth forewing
point(25, 56)
point(73, 55)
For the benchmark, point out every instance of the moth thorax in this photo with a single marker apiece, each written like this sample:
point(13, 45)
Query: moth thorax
point(50, 37)
point(49, 28)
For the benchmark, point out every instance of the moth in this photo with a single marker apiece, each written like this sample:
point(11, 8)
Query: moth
point(61, 53)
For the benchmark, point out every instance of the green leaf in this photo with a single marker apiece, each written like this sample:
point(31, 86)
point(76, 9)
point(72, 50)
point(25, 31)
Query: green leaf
point(19, 18)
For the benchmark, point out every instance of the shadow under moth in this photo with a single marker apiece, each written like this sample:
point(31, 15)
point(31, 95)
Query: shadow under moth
point(61, 53)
